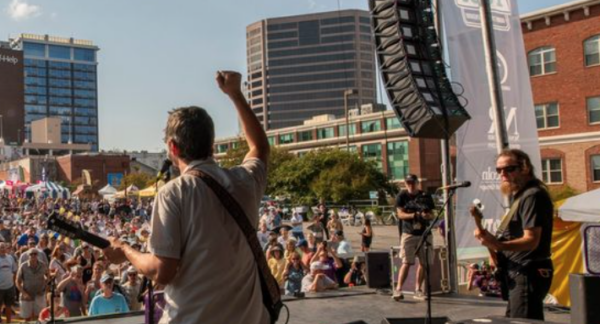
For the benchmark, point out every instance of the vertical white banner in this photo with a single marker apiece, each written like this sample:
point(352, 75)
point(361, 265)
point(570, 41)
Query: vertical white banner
point(476, 140)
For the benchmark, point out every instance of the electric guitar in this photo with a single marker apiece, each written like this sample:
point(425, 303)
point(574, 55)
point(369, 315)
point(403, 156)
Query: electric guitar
point(497, 259)
point(73, 230)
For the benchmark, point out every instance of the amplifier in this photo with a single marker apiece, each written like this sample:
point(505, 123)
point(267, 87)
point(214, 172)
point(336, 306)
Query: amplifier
point(415, 320)
point(585, 293)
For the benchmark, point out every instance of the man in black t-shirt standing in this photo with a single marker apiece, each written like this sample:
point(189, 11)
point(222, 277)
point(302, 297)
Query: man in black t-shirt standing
point(414, 210)
point(524, 243)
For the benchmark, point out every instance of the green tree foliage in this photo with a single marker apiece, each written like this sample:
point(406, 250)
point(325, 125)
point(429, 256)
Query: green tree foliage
point(332, 175)
point(562, 192)
point(138, 179)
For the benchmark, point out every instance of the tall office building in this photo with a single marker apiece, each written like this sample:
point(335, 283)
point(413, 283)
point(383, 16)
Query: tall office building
point(301, 66)
point(61, 81)
point(11, 95)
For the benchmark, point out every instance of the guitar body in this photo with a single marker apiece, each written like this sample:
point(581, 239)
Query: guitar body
point(497, 258)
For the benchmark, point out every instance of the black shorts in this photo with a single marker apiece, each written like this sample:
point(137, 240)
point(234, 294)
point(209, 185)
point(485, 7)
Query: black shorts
point(7, 296)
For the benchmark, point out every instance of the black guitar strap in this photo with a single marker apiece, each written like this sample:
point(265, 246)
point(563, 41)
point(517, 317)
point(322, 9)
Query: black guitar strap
point(270, 288)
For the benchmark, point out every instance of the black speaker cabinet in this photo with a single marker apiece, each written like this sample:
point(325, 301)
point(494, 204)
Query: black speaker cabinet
point(585, 294)
point(415, 320)
point(499, 320)
point(378, 269)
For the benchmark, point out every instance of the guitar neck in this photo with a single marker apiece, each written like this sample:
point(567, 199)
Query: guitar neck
point(94, 240)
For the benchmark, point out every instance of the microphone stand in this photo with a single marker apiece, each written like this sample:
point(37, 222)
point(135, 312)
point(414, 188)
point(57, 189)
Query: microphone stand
point(52, 306)
point(424, 243)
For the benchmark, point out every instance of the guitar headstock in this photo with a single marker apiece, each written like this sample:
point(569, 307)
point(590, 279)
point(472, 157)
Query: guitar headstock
point(476, 210)
point(63, 226)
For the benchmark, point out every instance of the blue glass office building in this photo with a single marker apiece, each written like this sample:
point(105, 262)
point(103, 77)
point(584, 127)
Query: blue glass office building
point(61, 81)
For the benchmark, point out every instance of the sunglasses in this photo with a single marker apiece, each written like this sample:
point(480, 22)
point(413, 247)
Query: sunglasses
point(508, 169)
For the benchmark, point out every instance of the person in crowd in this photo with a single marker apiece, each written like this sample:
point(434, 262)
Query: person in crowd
point(60, 312)
point(5, 233)
point(335, 224)
point(317, 229)
point(290, 248)
point(58, 263)
point(132, 289)
point(366, 236)
point(414, 208)
point(297, 230)
point(293, 274)
point(343, 247)
point(31, 281)
point(8, 269)
point(316, 280)
point(108, 302)
point(30, 234)
point(43, 246)
point(86, 259)
point(311, 242)
point(357, 276)
point(32, 245)
point(323, 218)
point(525, 236)
point(277, 264)
point(93, 286)
point(284, 232)
point(263, 234)
point(72, 290)
point(329, 260)
point(217, 246)
point(307, 253)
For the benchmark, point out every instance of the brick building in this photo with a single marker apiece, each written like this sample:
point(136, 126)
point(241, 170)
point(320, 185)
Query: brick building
point(102, 167)
point(563, 47)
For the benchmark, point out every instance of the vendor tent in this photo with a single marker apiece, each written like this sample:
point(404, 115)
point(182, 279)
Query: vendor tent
point(49, 189)
point(575, 215)
point(107, 190)
point(151, 190)
point(132, 190)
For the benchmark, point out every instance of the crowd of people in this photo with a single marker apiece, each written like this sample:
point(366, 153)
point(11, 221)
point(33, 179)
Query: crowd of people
point(38, 266)
point(482, 277)
point(322, 259)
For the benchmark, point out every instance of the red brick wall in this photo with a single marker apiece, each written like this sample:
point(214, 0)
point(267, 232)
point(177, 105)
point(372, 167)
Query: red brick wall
point(573, 82)
point(71, 166)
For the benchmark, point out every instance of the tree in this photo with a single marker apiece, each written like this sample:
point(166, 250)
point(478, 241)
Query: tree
point(138, 179)
point(329, 174)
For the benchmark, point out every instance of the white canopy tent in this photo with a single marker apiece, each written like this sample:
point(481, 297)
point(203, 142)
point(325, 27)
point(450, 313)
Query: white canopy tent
point(584, 208)
point(49, 188)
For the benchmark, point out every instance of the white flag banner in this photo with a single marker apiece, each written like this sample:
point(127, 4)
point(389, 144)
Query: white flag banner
point(476, 140)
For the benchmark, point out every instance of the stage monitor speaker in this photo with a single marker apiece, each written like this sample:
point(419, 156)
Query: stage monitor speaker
point(378, 269)
point(585, 293)
point(413, 69)
point(592, 249)
point(358, 322)
point(415, 320)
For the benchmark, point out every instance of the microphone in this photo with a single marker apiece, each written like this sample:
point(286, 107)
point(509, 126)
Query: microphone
point(164, 169)
point(457, 185)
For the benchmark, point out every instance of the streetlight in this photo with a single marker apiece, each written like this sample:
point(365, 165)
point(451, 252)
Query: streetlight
point(348, 93)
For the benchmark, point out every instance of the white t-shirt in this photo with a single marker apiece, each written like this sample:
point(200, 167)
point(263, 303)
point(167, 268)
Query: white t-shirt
point(297, 218)
point(217, 280)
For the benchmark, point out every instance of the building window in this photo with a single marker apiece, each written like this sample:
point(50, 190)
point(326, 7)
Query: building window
point(34, 49)
point(593, 107)
point(371, 126)
point(271, 140)
point(305, 136)
point(552, 171)
point(286, 138)
point(372, 152)
point(59, 52)
point(542, 61)
point(397, 160)
point(592, 51)
point(84, 54)
point(596, 168)
point(324, 133)
point(222, 148)
point(392, 123)
point(342, 130)
point(546, 115)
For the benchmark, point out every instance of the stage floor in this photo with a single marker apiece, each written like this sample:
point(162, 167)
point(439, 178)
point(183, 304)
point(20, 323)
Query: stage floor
point(358, 303)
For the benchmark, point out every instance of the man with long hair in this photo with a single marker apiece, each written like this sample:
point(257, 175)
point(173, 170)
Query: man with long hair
point(524, 242)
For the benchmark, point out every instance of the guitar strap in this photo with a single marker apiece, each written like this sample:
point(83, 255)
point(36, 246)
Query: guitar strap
point(508, 216)
point(270, 288)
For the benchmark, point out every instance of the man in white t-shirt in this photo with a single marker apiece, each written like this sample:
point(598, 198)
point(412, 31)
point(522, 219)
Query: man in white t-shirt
point(196, 248)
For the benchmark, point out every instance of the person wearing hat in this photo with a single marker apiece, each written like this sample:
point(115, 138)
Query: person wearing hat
point(316, 280)
point(31, 282)
point(414, 210)
point(277, 263)
point(132, 289)
point(108, 302)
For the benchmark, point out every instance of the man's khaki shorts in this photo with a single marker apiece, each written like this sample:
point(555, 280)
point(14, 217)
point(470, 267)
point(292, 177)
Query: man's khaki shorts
point(409, 247)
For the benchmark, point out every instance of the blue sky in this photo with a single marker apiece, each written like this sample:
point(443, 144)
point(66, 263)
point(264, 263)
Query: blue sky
point(157, 54)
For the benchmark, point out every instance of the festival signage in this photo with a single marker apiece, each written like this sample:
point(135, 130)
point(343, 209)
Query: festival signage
point(476, 141)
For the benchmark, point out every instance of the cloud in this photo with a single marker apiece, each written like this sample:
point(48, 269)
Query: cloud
point(21, 10)
point(312, 4)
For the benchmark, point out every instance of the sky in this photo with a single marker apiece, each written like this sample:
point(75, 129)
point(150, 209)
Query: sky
point(156, 55)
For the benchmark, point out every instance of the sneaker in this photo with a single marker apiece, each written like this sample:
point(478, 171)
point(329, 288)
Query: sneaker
point(419, 295)
point(397, 296)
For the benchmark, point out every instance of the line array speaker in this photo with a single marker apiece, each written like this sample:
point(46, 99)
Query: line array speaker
point(592, 249)
point(413, 70)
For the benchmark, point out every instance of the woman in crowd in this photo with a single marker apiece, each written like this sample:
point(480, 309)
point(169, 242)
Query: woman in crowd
point(293, 274)
point(335, 224)
point(277, 264)
point(58, 263)
point(367, 236)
